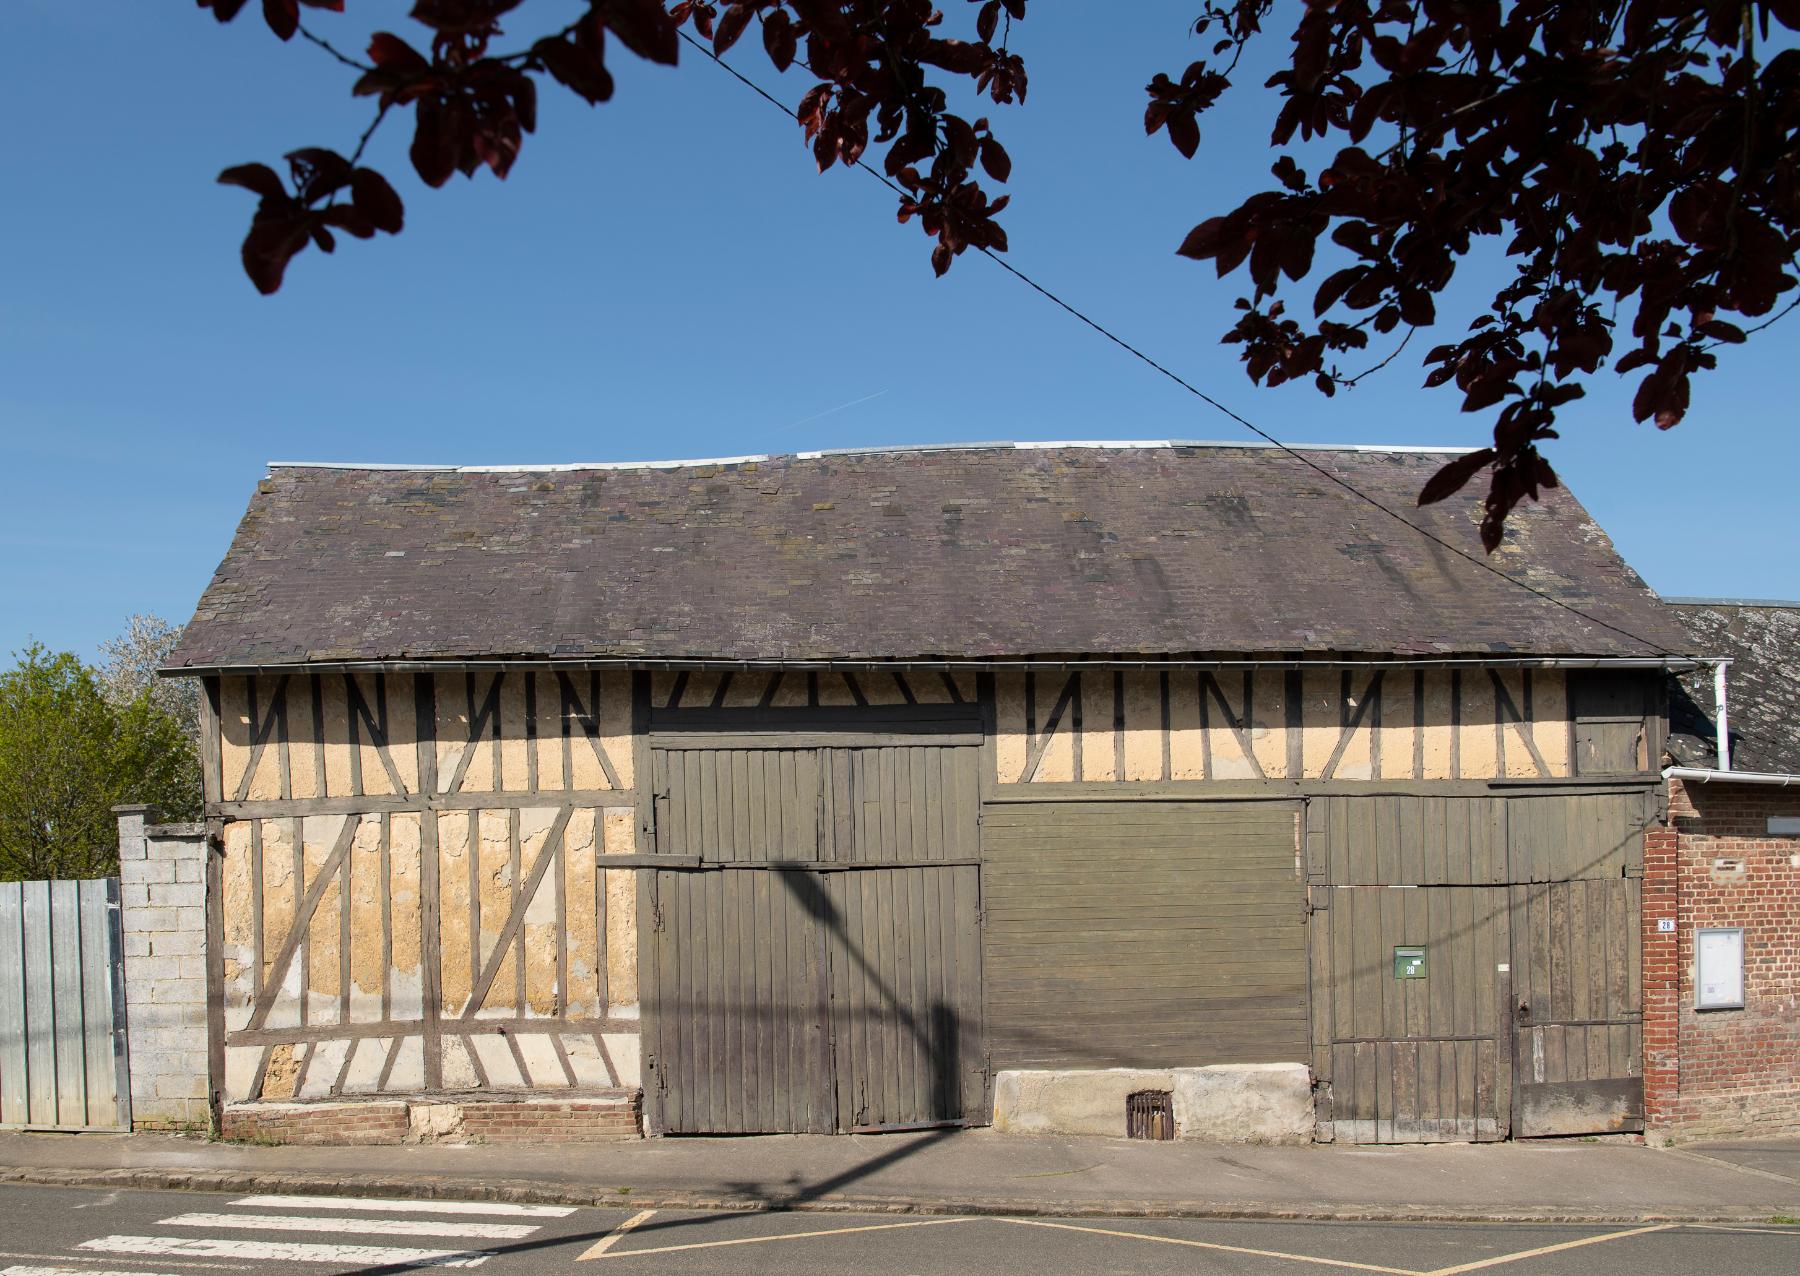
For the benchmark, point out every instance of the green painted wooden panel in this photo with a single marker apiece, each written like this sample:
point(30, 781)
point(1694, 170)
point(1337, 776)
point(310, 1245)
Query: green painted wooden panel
point(1411, 840)
point(1153, 934)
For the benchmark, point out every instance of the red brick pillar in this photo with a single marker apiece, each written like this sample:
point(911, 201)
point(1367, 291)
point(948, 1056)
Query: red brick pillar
point(1662, 978)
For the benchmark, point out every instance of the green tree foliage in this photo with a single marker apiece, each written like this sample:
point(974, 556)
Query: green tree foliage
point(69, 753)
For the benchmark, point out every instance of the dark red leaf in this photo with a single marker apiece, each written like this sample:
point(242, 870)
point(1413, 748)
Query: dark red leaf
point(731, 25)
point(1203, 240)
point(259, 178)
point(434, 144)
point(223, 10)
point(283, 17)
point(374, 198)
point(1452, 478)
point(643, 27)
point(1184, 131)
point(988, 21)
point(779, 39)
point(995, 160)
point(391, 53)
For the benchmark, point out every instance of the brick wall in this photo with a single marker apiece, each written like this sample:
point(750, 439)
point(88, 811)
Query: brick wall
point(1718, 1073)
point(317, 1124)
point(514, 1118)
point(162, 886)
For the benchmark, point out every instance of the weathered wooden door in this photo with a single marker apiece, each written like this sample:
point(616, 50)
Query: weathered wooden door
point(905, 963)
point(1476, 964)
point(815, 956)
point(1578, 1019)
point(1419, 1055)
point(1576, 864)
point(738, 1000)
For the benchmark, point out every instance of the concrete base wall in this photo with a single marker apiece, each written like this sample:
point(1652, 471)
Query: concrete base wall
point(1222, 1103)
point(605, 1118)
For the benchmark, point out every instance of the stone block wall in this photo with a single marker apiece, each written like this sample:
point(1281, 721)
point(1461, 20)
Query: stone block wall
point(1723, 1073)
point(162, 886)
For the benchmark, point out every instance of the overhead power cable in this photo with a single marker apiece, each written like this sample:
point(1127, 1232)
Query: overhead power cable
point(1195, 390)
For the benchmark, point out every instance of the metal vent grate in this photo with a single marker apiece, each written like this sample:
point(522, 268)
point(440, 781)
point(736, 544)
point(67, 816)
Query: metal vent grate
point(1150, 1114)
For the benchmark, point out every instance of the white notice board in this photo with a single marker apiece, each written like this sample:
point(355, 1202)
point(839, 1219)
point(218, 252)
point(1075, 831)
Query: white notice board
point(1719, 968)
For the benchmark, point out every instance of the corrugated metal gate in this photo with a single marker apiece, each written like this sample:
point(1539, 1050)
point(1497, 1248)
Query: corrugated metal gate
point(1476, 965)
point(62, 1007)
point(813, 961)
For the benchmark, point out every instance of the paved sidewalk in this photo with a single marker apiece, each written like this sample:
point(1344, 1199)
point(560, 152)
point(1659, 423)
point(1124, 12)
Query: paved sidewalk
point(974, 1172)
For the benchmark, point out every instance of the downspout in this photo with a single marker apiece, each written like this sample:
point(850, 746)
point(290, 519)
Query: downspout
point(1721, 714)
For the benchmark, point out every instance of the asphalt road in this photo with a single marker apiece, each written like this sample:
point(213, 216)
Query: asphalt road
point(82, 1232)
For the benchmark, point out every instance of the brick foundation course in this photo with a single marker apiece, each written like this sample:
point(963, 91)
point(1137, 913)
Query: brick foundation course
point(337, 1124)
point(484, 1119)
point(1723, 1073)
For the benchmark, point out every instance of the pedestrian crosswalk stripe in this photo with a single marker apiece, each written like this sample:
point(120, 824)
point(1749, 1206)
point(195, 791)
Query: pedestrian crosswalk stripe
point(289, 1251)
point(368, 1226)
point(500, 1209)
point(171, 1262)
point(24, 1270)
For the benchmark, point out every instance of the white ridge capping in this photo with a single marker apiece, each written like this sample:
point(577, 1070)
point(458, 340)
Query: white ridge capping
point(1121, 445)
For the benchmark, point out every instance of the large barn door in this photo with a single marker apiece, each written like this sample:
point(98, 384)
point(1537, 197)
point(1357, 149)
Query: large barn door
point(816, 960)
point(1477, 964)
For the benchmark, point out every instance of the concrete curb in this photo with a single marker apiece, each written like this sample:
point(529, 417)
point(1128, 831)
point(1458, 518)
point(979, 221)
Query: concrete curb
point(538, 1192)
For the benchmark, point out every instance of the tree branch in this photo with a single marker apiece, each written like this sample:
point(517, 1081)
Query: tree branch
point(329, 48)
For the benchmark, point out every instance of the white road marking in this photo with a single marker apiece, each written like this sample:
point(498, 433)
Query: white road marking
point(797, 1236)
point(499, 1208)
point(77, 1258)
point(69, 1271)
point(613, 1237)
point(368, 1226)
point(1229, 1249)
point(289, 1251)
point(1481, 1264)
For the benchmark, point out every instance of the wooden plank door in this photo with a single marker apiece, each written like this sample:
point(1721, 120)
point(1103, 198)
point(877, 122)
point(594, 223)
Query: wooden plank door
point(1578, 1020)
point(737, 1004)
point(737, 805)
point(820, 967)
point(1424, 1059)
point(902, 831)
point(905, 959)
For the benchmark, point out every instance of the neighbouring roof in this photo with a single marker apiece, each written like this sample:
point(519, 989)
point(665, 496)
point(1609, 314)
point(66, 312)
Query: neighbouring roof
point(1762, 685)
point(991, 551)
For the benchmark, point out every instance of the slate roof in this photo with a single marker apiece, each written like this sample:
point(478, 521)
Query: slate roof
point(1762, 685)
point(993, 551)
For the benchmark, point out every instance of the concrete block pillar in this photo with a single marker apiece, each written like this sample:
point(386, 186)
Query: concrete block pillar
point(162, 890)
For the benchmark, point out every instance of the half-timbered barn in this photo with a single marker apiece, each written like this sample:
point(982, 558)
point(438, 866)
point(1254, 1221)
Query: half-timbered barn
point(827, 792)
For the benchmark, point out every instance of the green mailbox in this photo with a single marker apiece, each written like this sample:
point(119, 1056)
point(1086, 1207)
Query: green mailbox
point(1409, 963)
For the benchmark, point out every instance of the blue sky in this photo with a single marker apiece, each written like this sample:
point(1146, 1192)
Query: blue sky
point(663, 276)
